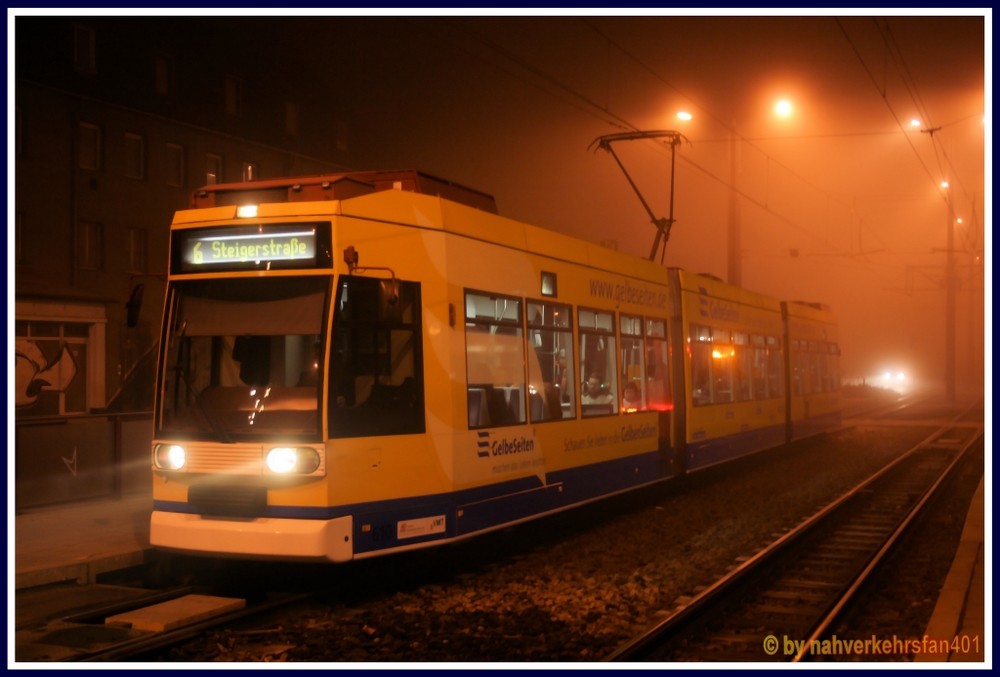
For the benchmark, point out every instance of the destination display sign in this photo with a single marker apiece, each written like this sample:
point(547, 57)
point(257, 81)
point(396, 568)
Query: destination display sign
point(251, 247)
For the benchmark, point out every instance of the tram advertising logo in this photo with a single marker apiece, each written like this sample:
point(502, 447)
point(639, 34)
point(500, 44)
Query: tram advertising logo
point(654, 298)
point(488, 446)
point(716, 309)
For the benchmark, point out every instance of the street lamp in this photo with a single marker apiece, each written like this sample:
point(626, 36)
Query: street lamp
point(783, 108)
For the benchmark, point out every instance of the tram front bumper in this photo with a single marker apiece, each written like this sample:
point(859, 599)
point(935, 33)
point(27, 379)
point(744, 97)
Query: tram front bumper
point(255, 538)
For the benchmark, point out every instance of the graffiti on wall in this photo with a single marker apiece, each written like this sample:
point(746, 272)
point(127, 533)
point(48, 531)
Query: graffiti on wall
point(35, 373)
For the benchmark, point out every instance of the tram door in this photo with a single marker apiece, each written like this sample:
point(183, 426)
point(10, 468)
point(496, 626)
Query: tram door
point(645, 377)
point(376, 359)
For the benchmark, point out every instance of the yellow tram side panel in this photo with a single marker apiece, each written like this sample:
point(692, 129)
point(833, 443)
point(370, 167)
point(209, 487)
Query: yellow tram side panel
point(588, 276)
point(807, 322)
point(404, 231)
point(487, 252)
point(391, 230)
point(711, 302)
point(449, 248)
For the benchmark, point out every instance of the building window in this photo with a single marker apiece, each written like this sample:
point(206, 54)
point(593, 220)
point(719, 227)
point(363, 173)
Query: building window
point(234, 95)
point(213, 169)
point(84, 49)
point(18, 238)
point(250, 171)
point(137, 250)
point(342, 135)
point(163, 76)
point(135, 156)
point(89, 146)
point(90, 246)
point(175, 165)
point(291, 118)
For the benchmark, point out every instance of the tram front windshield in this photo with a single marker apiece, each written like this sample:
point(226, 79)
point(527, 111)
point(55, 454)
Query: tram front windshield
point(244, 359)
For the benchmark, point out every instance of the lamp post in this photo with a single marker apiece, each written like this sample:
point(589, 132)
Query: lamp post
point(734, 255)
point(950, 302)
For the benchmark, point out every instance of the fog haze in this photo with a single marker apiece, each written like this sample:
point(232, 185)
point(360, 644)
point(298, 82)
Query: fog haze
point(840, 203)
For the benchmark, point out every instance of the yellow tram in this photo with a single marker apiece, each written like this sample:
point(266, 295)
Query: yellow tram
point(368, 362)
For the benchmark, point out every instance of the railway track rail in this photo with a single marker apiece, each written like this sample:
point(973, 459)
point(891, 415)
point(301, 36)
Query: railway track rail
point(779, 604)
point(79, 631)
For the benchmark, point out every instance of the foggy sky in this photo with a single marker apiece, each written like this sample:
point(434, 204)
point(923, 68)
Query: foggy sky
point(839, 204)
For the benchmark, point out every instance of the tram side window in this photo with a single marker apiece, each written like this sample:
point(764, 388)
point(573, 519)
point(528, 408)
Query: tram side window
point(775, 379)
point(597, 362)
point(376, 359)
point(797, 361)
point(701, 365)
point(812, 374)
point(758, 367)
point(833, 369)
point(551, 389)
point(822, 368)
point(658, 395)
point(633, 364)
point(494, 354)
point(722, 366)
point(741, 366)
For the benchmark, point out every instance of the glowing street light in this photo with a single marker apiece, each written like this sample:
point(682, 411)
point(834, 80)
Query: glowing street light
point(784, 109)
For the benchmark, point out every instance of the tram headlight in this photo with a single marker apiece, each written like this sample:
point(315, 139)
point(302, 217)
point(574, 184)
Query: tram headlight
point(292, 460)
point(169, 456)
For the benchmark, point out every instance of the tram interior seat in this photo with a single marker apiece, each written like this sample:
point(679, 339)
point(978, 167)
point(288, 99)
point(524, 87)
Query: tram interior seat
point(494, 405)
point(479, 413)
point(243, 398)
point(386, 396)
point(538, 412)
point(512, 398)
point(597, 409)
point(290, 409)
point(386, 409)
point(501, 405)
